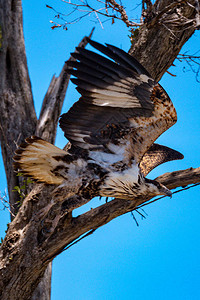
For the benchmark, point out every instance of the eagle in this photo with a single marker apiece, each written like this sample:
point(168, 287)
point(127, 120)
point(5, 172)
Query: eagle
point(111, 130)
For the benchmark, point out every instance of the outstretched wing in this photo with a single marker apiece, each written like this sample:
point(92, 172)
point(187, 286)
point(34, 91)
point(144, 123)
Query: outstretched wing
point(157, 155)
point(121, 106)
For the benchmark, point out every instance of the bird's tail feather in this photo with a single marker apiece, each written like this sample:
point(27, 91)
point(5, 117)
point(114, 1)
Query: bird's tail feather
point(37, 158)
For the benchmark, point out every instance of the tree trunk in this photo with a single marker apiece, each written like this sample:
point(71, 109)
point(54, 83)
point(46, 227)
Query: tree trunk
point(43, 228)
point(43, 290)
point(168, 26)
point(17, 118)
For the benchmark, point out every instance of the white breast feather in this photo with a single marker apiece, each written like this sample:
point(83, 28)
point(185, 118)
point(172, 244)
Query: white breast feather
point(107, 159)
point(115, 184)
point(127, 176)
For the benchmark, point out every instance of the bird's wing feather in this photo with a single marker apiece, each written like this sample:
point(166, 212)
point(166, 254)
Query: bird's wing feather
point(40, 160)
point(157, 155)
point(120, 103)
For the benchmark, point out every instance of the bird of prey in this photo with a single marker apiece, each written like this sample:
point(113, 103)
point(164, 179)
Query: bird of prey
point(111, 130)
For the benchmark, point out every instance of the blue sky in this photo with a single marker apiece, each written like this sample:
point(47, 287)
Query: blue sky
point(160, 258)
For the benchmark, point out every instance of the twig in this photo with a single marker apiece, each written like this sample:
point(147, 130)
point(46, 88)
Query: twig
point(192, 61)
point(98, 19)
point(53, 100)
point(134, 218)
point(119, 8)
point(143, 216)
point(3, 201)
point(110, 9)
point(181, 190)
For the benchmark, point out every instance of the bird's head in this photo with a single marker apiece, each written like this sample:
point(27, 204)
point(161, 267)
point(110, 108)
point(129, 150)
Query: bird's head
point(157, 187)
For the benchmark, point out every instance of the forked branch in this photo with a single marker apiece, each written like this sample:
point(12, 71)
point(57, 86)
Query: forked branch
point(101, 10)
point(103, 214)
point(193, 63)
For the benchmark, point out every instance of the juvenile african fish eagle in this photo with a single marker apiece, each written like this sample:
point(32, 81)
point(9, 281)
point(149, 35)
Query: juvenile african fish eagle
point(111, 129)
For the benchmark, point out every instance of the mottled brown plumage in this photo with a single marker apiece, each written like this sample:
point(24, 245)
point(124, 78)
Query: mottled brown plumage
point(112, 129)
point(157, 155)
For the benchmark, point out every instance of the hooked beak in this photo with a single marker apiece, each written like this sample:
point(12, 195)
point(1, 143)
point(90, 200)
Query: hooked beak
point(165, 191)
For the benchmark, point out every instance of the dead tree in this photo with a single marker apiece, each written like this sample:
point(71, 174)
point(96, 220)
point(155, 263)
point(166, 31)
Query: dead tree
point(27, 248)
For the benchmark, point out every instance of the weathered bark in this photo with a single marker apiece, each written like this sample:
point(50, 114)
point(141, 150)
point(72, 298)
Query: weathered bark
point(180, 178)
point(43, 290)
point(32, 242)
point(17, 118)
point(168, 26)
point(35, 238)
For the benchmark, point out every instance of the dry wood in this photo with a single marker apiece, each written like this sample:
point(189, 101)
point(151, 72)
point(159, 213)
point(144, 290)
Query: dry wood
point(33, 241)
point(180, 178)
point(17, 117)
point(53, 102)
point(167, 28)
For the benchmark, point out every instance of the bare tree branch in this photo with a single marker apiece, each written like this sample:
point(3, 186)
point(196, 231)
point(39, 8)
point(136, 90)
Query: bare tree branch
point(46, 241)
point(193, 62)
point(120, 9)
point(180, 178)
point(103, 214)
point(173, 20)
point(175, 192)
point(53, 102)
point(109, 9)
point(5, 203)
